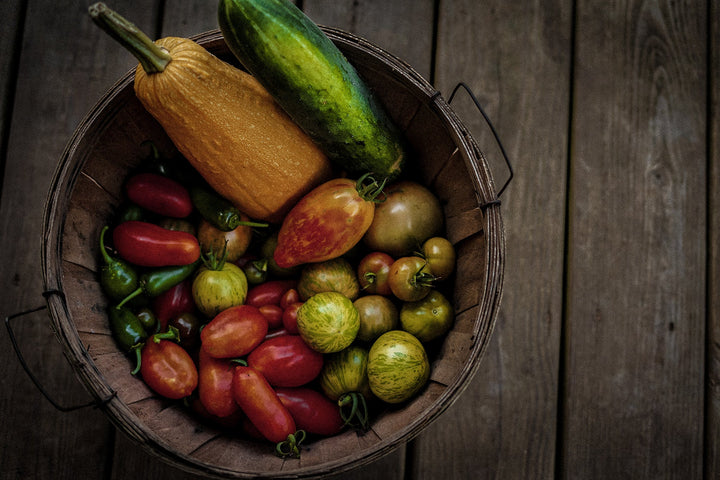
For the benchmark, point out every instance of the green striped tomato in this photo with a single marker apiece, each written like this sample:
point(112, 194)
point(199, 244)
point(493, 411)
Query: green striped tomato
point(328, 322)
point(336, 275)
point(218, 290)
point(398, 366)
point(345, 372)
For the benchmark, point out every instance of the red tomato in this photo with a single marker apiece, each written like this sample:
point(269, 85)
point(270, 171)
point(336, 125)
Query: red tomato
point(168, 369)
point(173, 302)
point(269, 293)
point(327, 222)
point(258, 400)
point(159, 194)
point(372, 272)
point(215, 385)
point(289, 297)
point(273, 314)
point(150, 245)
point(311, 410)
point(286, 361)
point(234, 332)
point(289, 317)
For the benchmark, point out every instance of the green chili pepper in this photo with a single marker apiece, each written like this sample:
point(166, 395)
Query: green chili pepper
point(117, 277)
point(128, 332)
point(131, 211)
point(155, 282)
point(220, 212)
point(147, 319)
point(178, 168)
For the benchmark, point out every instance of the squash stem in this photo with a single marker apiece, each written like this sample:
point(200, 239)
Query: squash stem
point(152, 58)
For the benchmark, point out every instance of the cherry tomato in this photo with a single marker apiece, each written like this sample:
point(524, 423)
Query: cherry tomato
point(311, 410)
point(440, 256)
point(150, 245)
point(269, 293)
point(290, 316)
point(236, 241)
point(409, 215)
point(173, 302)
point(289, 297)
point(327, 222)
point(273, 314)
point(234, 332)
point(258, 400)
point(409, 278)
point(159, 194)
point(168, 369)
point(215, 385)
point(372, 272)
point(286, 361)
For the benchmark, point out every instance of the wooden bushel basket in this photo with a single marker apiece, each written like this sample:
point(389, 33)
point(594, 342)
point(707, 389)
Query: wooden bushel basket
point(87, 189)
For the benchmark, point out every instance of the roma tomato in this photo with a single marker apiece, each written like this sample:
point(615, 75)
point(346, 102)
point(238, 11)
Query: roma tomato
point(409, 215)
point(273, 314)
point(372, 273)
point(150, 245)
point(269, 293)
point(328, 322)
point(218, 285)
point(289, 297)
point(311, 410)
point(335, 275)
point(215, 378)
point(409, 278)
point(440, 256)
point(159, 194)
point(173, 302)
point(258, 400)
point(289, 317)
point(168, 369)
point(286, 361)
point(327, 222)
point(234, 332)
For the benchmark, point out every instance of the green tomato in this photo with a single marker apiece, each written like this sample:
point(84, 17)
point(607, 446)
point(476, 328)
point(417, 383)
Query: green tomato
point(440, 256)
point(218, 290)
point(345, 372)
point(428, 318)
point(378, 314)
point(328, 322)
point(398, 366)
point(336, 275)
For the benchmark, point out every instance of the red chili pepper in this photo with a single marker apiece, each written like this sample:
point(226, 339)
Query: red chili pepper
point(173, 302)
point(150, 245)
point(159, 194)
point(261, 404)
point(215, 385)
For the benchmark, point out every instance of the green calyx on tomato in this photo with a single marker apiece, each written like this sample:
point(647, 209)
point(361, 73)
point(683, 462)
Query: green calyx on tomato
point(410, 279)
point(290, 447)
point(369, 189)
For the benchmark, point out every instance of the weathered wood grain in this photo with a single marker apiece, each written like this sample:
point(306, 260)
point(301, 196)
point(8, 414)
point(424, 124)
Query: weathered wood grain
point(504, 424)
point(635, 338)
point(712, 401)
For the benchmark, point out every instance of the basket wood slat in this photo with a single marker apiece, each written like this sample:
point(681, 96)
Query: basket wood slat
point(87, 189)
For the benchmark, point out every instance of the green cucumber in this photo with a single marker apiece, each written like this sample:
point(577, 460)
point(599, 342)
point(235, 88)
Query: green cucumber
point(313, 81)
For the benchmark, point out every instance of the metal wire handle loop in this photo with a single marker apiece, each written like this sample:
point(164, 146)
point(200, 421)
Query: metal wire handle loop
point(26, 367)
point(492, 129)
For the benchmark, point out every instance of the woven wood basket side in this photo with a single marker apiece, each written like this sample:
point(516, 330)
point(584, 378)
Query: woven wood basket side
point(87, 189)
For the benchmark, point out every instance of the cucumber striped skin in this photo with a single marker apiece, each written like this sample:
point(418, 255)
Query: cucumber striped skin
point(314, 82)
point(398, 366)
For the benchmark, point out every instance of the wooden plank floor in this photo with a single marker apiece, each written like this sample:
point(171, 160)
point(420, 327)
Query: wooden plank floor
point(605, 360)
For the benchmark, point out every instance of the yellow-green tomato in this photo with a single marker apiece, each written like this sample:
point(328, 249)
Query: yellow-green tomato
point(440, 256)
point(345, 372)
point(328, 322)
point(378, 314)
point(215, 290)
point(429, 318)
point(398, 366)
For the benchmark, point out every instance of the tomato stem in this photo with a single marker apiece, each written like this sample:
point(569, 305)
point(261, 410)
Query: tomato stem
point(358, 416)
point(173, 334)
point(371, 190)
point(211, 260)
point(137, 349)
point(291, 446)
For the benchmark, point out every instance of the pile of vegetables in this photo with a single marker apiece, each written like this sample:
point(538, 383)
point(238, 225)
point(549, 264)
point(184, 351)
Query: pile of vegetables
point(309, 294)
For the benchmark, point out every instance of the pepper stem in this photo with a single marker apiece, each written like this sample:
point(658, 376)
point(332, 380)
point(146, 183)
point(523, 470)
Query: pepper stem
point(152, 58)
